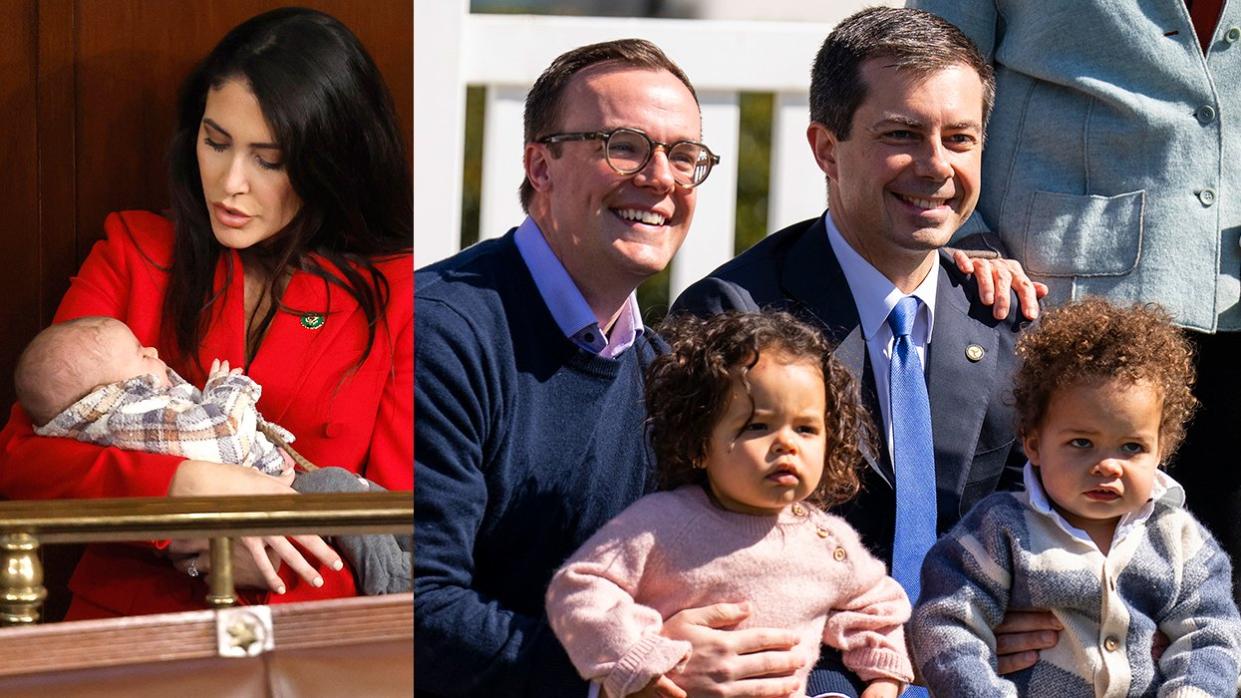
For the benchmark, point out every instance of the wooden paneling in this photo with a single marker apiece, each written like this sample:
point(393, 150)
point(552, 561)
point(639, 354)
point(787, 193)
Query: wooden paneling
point(132, 56)
point(88, 91)
point(57, 232)
point(19, 240)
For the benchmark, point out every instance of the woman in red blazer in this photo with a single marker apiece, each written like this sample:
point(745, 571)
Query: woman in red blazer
point(287, 253)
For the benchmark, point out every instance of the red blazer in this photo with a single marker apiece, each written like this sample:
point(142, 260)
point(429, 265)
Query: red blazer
point(359, 420)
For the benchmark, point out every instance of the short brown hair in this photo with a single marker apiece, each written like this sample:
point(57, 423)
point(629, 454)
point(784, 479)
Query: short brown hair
point(1093, 340)
point(687, 392)
point(913, 41)
point(60, 366)
point(543, 103)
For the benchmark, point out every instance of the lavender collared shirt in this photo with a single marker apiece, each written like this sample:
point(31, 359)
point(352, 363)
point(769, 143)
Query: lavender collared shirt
point(567, 304)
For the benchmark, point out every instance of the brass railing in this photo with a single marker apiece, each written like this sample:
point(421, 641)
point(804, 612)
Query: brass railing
point(24, 526)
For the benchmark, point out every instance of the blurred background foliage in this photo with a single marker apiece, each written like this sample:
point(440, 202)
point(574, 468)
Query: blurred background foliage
point(753, 179)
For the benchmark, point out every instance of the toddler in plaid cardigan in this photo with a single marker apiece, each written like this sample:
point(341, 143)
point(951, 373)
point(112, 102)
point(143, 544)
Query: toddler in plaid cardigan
point(90, 379)
point(1099, 538)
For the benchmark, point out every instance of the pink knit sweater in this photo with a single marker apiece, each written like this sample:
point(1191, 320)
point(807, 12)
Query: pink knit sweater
point(802, 570)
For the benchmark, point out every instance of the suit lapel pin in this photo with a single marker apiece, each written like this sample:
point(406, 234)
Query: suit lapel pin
point(313, 321)
point(974, 353)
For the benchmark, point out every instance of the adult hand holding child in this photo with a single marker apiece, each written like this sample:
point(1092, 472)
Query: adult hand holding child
point(755, 661)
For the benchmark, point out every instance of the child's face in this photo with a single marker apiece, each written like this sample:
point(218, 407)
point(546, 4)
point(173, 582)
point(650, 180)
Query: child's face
point(761, 463)
point(1097, 450)
point(126, 357)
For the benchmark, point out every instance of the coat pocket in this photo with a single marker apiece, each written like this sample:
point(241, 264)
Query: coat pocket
point(1072, 235)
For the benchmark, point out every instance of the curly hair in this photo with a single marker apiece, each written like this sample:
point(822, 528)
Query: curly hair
point(1093, 340)
point(688, 388)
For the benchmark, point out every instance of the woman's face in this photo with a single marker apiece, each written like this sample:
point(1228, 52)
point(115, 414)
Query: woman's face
point(249, 196)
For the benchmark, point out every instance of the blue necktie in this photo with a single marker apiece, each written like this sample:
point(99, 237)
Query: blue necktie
point(913, 456)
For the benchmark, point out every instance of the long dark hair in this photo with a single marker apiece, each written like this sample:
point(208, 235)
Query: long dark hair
point(332, 116)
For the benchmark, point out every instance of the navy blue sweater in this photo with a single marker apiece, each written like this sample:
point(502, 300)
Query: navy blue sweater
point(524, 446)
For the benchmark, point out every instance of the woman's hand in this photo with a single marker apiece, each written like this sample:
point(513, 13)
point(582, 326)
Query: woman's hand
point(255, 559)
point(996, 276)
point(198, 478)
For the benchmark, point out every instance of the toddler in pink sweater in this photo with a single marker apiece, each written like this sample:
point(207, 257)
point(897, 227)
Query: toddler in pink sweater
point(755, 428)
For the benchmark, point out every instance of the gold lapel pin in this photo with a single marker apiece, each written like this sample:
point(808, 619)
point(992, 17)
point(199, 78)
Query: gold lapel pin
point(313, 321)
point(974, 353)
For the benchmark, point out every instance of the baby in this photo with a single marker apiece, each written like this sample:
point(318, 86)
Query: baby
point(754, 427)
point(1099, 537)
point(90, 379)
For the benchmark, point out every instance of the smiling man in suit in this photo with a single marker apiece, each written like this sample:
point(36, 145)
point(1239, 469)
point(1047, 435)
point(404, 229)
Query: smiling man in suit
point(899, 101)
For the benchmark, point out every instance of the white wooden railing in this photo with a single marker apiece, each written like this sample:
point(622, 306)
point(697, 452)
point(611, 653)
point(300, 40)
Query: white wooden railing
point(505, 53)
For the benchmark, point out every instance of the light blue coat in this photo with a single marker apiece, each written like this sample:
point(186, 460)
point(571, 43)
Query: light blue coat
point(1111, 164)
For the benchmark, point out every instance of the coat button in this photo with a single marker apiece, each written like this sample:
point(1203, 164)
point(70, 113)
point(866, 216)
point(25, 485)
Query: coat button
point(1205, 114)
point(333, 429)
point(821, 531)
point(799, 510)
point(1207, 197)
point(839, 554)
point(1233, 35)
point(1110, 644)
point(974, 353)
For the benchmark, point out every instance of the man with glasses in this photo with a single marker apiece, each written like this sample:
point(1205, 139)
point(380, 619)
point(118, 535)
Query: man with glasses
point(898, 107)
point(628, 150)
point(528, 386)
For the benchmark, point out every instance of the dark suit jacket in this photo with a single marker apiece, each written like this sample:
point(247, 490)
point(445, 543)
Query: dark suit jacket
point(976, 449)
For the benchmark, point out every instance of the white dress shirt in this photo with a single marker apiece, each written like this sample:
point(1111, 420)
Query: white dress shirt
point(1040, 502)
point(875, 296)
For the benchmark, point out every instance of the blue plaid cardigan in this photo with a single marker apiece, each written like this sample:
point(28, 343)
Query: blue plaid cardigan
point(1167, 573)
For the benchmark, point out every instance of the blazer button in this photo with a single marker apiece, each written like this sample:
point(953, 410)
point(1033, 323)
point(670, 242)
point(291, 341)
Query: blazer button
point(1205, 114)
point(1207, 197)
point(1233, 35)
point(333, 429)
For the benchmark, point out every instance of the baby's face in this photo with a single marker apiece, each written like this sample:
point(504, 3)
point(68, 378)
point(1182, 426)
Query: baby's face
point(126, 358)
point(767, 450)
point(1097, 451)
